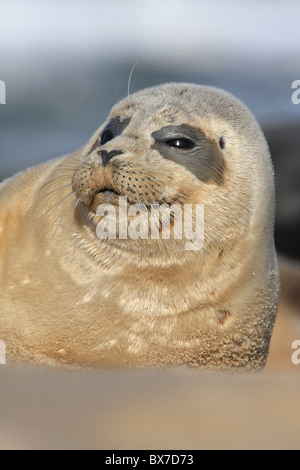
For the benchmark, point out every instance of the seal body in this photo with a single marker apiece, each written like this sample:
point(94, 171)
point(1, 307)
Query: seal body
point(71, 296)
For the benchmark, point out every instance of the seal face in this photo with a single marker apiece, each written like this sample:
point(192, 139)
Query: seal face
point(92, 273)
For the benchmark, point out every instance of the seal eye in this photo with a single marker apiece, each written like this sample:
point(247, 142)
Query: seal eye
point(180, 143)
point(106, 137)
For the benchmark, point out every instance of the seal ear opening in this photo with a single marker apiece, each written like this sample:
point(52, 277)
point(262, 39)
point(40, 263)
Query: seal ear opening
point(222, 143)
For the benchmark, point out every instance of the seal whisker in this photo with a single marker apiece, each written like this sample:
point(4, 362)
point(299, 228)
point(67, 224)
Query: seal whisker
point(62, 173)
point(130, 77)
point(57, 204)
point(60, 188)
point(116, 89)
point(43, 199)
point(45, 215)
point(71, 206)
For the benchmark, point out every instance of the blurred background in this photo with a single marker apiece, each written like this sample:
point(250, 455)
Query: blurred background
point(66, 63)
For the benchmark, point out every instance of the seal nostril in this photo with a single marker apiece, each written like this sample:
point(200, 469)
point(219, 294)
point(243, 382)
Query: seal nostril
point(106, 156)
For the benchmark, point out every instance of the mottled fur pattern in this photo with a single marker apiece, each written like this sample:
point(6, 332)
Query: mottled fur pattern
point(68, 298)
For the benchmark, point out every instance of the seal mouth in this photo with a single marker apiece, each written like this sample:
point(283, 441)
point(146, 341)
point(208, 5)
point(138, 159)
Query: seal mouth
point(104, 195)
point(107, 191)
